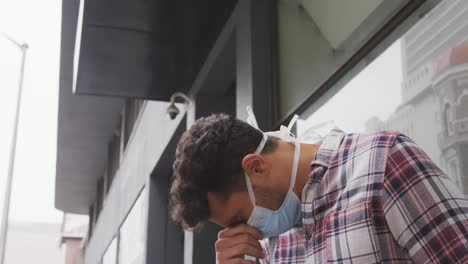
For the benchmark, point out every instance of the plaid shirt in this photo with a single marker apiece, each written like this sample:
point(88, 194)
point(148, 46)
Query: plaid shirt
point(375, 198)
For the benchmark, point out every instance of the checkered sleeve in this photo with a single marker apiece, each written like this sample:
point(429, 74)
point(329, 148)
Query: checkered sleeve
point(425, 212)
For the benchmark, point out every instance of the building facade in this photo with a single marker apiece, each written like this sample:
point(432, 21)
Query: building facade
point(74, 232)
point(121, 64)
point(434, 103)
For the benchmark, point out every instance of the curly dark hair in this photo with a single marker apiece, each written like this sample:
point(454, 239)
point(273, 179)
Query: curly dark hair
point(208, 159)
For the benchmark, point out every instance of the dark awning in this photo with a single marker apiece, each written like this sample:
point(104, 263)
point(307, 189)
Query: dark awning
point(144, 49)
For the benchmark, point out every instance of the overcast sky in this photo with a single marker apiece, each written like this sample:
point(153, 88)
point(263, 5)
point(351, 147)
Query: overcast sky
point(38, 24)
point(375, 91)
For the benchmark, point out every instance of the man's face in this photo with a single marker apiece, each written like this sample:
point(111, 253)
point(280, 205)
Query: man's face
point(229, 211)
point(270, 176)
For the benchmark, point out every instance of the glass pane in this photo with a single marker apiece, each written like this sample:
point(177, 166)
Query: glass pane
point(418, 86)
point(316, 37)
point(132, 234)
point(110, 257)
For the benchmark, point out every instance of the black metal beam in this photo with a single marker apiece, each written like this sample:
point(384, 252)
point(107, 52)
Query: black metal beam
point(145, 49)
point(165, 239)
point(256, 47)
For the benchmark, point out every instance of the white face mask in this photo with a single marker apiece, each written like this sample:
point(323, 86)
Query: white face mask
point(272, 223)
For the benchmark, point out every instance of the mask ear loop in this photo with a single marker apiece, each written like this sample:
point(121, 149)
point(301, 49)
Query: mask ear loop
point(250, 189)
point(297, 150)
point(251, 117)
point(262, 144)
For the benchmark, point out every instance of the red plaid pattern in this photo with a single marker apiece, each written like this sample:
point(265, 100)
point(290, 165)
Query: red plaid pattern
point(375, 198)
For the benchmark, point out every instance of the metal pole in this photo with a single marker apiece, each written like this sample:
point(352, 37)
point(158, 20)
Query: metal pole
point(6, 207)
point(188, 235)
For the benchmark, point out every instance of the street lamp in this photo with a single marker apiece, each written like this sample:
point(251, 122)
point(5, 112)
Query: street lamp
point(6, 207)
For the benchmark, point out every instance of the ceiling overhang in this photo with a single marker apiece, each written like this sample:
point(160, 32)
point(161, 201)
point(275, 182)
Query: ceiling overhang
point(144, 49)
point(85, 124)
point(113, 49)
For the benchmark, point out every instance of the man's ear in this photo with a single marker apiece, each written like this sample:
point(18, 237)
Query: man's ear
point(254, 165)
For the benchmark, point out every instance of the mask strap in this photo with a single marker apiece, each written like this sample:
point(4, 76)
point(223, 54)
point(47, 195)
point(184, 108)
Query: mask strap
point(251, 117)
point(292, 122)
point(250, 189)
point(262, 144)
point(297, 152)
point(288, 137)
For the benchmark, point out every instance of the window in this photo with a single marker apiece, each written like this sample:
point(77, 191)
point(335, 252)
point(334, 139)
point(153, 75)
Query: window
point(91, 221)
point(317, 37)
point(446, 115)
point(110, 256)
point(113, 158)
point(131, 111)
point(392, 94)
point(133, 233)
point(100, 192)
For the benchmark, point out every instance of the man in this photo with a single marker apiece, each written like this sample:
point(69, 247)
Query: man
point(354, 198)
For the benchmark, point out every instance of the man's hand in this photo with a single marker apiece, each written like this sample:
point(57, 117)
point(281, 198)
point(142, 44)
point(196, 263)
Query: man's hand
point(236, 242)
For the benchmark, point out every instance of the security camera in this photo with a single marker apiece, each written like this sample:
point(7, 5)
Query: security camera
point(172, 110)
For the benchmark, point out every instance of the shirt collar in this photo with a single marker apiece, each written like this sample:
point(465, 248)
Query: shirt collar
point(328, 148)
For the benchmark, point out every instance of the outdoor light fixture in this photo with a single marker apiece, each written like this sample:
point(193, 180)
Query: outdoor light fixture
point(172, 110)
